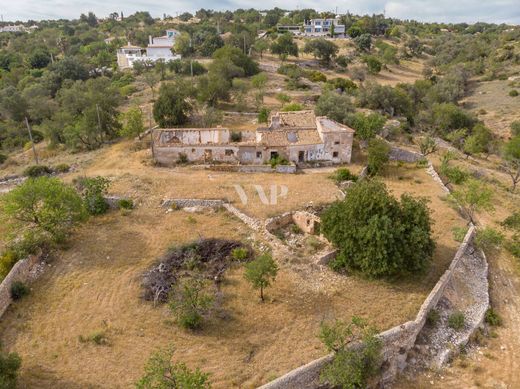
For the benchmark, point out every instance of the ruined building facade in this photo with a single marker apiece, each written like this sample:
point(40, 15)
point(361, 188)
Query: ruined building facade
point(297, 137)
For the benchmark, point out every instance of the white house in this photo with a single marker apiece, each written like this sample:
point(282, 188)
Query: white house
point(159, 48)
point(323, 27)
point(13, 28)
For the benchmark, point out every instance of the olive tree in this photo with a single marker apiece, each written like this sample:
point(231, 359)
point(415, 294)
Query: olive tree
point(474, 197)
point(511, 163)
point(261, 272)
point(43, 206)
point(377, 234)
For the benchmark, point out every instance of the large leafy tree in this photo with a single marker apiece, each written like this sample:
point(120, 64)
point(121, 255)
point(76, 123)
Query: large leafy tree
point(378, 235)
point(322, 49)
point(285, 46)
point(43, 206)
point(172, 107)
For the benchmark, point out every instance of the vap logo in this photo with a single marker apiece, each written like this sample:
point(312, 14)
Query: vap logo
point(271, 198)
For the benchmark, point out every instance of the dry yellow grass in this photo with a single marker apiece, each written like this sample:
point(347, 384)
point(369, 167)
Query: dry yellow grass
point(94, 285)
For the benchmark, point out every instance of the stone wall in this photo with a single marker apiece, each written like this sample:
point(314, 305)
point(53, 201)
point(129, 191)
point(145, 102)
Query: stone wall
point(277, 222)
point(306, 221)
point(188, 203)
point(399, 154)
point(397, 341)
point(20, 272)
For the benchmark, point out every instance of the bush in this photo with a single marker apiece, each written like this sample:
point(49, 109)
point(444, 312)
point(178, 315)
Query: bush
point(433, 317)
point(94, 190)
point(343, 174)
point(19, 290)
point(37, 171)
point(3, 158)
point(162, 372)
point(183, 158)
point(189, 303)
point(240, 253)
point(62, 168)
point(98, 338)
point(513, 246)
point(512, 221)
point(376, 234)
point(283, 98)
point(316, 76)
point(456, 320)
point(261, 272)
point(125, 204)
point(343, 84)
point(9, 366)
point(513, 93)
point(493, 318)
point(7, 261)
point(278, 160)
point(351, 367)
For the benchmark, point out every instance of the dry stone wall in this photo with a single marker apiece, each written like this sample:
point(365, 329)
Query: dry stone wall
point(20, 272)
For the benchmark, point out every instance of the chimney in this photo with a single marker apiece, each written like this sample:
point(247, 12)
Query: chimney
point(150, 40)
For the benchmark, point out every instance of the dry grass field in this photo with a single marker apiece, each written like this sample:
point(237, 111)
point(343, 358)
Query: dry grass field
point(93, 286)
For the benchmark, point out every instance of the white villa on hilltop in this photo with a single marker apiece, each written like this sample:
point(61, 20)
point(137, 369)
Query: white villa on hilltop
point(158, 48)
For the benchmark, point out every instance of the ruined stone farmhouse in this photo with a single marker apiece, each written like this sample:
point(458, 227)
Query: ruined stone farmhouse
point(297, 137)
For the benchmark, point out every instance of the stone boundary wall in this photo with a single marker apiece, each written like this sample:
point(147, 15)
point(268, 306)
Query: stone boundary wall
point(399, 154)
point(397, 341)
point(187, 203)
point(283, 169)
point(20, 272)
point(274, 223)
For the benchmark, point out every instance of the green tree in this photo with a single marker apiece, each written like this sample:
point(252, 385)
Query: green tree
point(368, 126)
point(160, 372)
point(260, 46)
point(335, 106)
point(9, 366)
point(285, 46)
point(133, 123)
point(151, 79)
point(363, 42)
point(428, 145)
point(352, 367)
point(378, 155)
point(474, 197)
point(39, 59)
point(94, 190)
point(374, 65)
point(261, 272)
point(189, 303)
point(376, 234)
point(172, 107)
point(238, 58)
point(511, 160)
point(322, 49)
point(479, 142)
point(43, 206)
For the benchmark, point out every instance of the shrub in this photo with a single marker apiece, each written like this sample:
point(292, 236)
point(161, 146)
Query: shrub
point(261, 272)
point(3, 158)
point(351, 367)
point(62, 168)
point(94, 190)
point(493, 318)
point(189, 303)
point(456, 320)
point(378, 155)
point(42, 208)
point(7, 261)
point(98, 338)
point(278, 160)
point(433, 317)
point(515, 128)
point(263, 115)
point(342, 84)
point(182, 158)
point(37, 171)
point(19, 290)
point(125, 204)
point(343, 174)
point(377, 234)
point(240, 253)
point(316, 76)
point(513, 93)
point(236, 136)
point(161, 372)
point(513, 246)
point(9, 366)
point(428, 146)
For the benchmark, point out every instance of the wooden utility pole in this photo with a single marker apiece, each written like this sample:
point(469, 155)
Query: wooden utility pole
point(151, 132)
point(32, 141)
